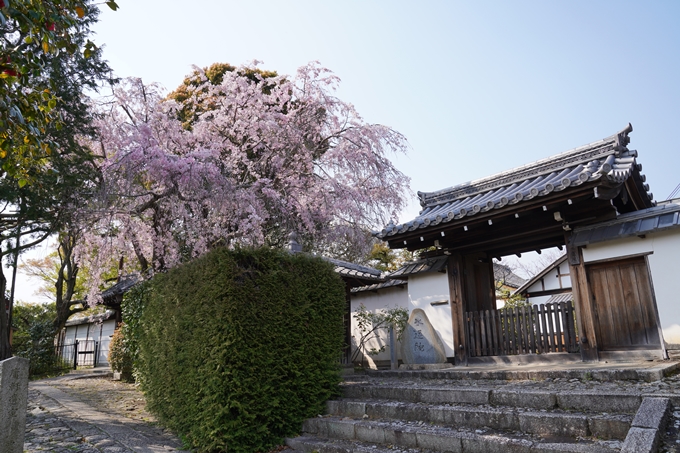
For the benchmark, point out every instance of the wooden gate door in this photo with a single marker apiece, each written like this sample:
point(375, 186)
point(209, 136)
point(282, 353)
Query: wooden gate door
point(625, 310)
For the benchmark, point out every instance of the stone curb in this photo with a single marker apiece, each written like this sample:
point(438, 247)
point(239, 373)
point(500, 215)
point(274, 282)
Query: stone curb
point(589, 401)
point(647, 427)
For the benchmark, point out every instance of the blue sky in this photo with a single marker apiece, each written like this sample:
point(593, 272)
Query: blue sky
point(477, 87)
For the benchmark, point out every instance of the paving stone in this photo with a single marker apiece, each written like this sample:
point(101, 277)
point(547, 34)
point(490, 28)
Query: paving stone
point(370, 433)
point(400, 437)
point(438, 442)
point(609, 427)
point(495, 444)
point(598, 401)
point(516, 398)
point(548, 424)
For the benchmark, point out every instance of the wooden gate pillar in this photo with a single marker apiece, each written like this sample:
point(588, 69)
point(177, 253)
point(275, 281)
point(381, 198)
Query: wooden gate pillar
point(454, 271)
point(583, 304)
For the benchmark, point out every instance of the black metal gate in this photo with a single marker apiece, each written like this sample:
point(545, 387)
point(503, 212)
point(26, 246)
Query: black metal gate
point(81, 353)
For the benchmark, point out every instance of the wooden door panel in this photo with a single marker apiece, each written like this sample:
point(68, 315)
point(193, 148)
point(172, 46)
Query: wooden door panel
point(647, 307)
point(625, 315)
point(605, 318)
point(635, 318)
point(622, 336)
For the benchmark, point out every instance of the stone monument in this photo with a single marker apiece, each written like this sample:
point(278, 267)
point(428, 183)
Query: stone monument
point(420, 343)
point(13, 400)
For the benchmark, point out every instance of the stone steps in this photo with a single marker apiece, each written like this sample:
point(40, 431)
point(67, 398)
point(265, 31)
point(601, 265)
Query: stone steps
point(333, 434)
point(616, 402)
point(380, 415)
point(542, 423)
point(650, 374)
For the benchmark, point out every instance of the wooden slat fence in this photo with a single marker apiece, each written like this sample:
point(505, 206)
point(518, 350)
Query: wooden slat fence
point(538, 329)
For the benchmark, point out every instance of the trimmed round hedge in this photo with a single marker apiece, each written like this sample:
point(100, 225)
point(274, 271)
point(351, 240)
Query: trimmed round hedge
point(238, 347)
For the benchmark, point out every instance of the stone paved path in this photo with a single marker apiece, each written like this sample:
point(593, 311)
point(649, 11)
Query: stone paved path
point(61, 422)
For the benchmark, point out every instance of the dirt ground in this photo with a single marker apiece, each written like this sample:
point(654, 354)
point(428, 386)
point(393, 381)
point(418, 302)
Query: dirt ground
point(113, 397)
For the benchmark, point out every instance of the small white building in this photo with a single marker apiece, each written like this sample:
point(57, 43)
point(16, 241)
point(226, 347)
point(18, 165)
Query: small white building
point(552, 284)
point(93, 334)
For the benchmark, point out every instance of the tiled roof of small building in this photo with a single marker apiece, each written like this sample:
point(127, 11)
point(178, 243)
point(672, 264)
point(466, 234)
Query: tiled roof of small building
point(560, 298)
point(607, 160)
point(435, 264)
point(100, 317)
point(377, 286)
point(347, 269)
point(664, 216)
point(503, 274)
point(126, 282)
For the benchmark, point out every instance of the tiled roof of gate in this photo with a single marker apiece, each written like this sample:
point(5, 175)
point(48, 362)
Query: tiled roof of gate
point(607, 160)
point(662, 217)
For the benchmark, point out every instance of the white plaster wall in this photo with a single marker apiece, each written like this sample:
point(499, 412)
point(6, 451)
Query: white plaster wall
point(539, 300)
point(375, 301)
point(537, 286)
point(432, 287)
point(550, 280)
point(107, 329)
point(70, 335)
point(664, 265)
point(566, 281)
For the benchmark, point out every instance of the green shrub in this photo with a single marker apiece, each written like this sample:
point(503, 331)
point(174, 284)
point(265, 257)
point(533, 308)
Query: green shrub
point(237, 348)
point(132, 308)
point(33, 339)
point(120, 357)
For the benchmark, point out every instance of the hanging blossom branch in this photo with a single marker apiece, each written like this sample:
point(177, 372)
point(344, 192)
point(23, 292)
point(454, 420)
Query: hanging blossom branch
point(243, 158)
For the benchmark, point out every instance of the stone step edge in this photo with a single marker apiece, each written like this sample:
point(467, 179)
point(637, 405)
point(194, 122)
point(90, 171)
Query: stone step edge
point(611, 402)
point(344, 437)
point(648, 426)
point(532, 422)
point(459, 373)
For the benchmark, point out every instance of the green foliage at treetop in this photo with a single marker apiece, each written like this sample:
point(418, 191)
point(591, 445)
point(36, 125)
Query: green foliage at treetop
point(193, 106)
point(237, 348)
